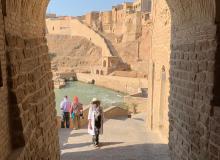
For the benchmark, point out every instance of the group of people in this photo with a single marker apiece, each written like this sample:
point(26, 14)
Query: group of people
point(74, 110)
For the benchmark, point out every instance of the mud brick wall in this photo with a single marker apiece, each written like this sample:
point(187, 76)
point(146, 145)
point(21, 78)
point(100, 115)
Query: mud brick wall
point(5, 147)
point(191, 61)
point(192, 77)
point(158, 87)
point(185, 42)
point(27, 101)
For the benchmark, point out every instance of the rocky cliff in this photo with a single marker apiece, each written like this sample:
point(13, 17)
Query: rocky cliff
point(73, 53)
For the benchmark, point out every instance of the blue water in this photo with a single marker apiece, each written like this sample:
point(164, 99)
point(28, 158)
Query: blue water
point(86, 92)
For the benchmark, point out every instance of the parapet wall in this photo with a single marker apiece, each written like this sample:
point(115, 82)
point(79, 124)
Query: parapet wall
point(74, 27)
point(136, 104)
point(114, 112)
point(121, 84)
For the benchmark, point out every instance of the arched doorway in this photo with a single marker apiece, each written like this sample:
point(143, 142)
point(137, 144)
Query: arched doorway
point(104, 63)
point(193, 43)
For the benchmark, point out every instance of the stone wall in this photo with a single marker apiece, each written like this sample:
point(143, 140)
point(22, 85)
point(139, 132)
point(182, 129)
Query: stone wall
point(5, 141)
point(182, 66)
point(192, 80)
point(157, 110)
point(28, 97)
point(74, 27)
point(132, 27)
point(122, 84)
point(91, 18)
point(192, 71)
point(136, 104)
point(114, 112)
point(106, 21)
point(185, 75)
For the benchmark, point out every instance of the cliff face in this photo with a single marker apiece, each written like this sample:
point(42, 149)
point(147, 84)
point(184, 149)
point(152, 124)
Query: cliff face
point(135, 52)
point(73, 53)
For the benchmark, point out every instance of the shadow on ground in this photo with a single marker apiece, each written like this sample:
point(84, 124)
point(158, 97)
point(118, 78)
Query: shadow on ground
point(79, 145)
point(78, 134)
point(139, 119)
point(65, 135)
point(131, 152)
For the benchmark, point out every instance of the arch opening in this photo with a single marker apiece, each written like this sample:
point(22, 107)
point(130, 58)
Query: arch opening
point(189, 81)
point(104, 63)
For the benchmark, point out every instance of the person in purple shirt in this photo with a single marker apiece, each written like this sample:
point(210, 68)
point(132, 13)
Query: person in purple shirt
point(65, 107)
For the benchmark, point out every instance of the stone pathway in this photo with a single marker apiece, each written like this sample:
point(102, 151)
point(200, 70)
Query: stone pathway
point(123, 139)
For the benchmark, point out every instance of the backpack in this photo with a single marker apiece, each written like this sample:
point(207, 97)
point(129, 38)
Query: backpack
point(98, 122)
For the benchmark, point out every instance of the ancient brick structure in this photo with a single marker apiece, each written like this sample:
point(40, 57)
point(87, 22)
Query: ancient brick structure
point(28, 124)
point(157, 110)
point(184, 79)
point(184, 69)
point(106, 21)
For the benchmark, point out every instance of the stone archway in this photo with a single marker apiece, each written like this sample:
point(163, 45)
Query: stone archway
point(186, 45)
point(188, 53)
point(188, 73)
point(27, 94)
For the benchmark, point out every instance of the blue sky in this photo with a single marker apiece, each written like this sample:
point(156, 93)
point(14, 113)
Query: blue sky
point(80, 7)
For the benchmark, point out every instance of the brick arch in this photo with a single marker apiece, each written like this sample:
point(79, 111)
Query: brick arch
point(192, 51)
point(184, 41)
point(29, 86)
point(190, 46)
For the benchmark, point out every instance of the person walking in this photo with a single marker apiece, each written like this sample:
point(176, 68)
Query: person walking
point(95, 117)
point(76, 112)
point(65, 107)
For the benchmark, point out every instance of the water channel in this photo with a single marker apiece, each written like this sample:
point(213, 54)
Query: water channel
point(86, 92)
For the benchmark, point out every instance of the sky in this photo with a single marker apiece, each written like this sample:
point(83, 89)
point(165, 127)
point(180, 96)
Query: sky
point(80, 7)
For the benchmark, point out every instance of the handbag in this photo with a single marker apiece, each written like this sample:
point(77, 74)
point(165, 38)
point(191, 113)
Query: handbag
point(73, 115)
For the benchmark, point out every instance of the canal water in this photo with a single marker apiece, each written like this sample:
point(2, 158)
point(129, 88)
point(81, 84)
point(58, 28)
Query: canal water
point(86, 92)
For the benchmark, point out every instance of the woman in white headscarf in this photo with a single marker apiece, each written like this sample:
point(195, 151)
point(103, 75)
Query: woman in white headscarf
point(95, 117)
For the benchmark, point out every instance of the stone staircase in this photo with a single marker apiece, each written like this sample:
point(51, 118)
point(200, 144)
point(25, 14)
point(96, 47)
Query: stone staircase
point(123, 139)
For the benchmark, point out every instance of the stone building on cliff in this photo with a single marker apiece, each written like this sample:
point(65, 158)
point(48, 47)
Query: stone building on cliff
point(142, 5)
point(106, 21)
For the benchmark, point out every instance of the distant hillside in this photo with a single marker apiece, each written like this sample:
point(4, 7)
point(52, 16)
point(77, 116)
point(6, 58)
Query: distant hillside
point(76, 53)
